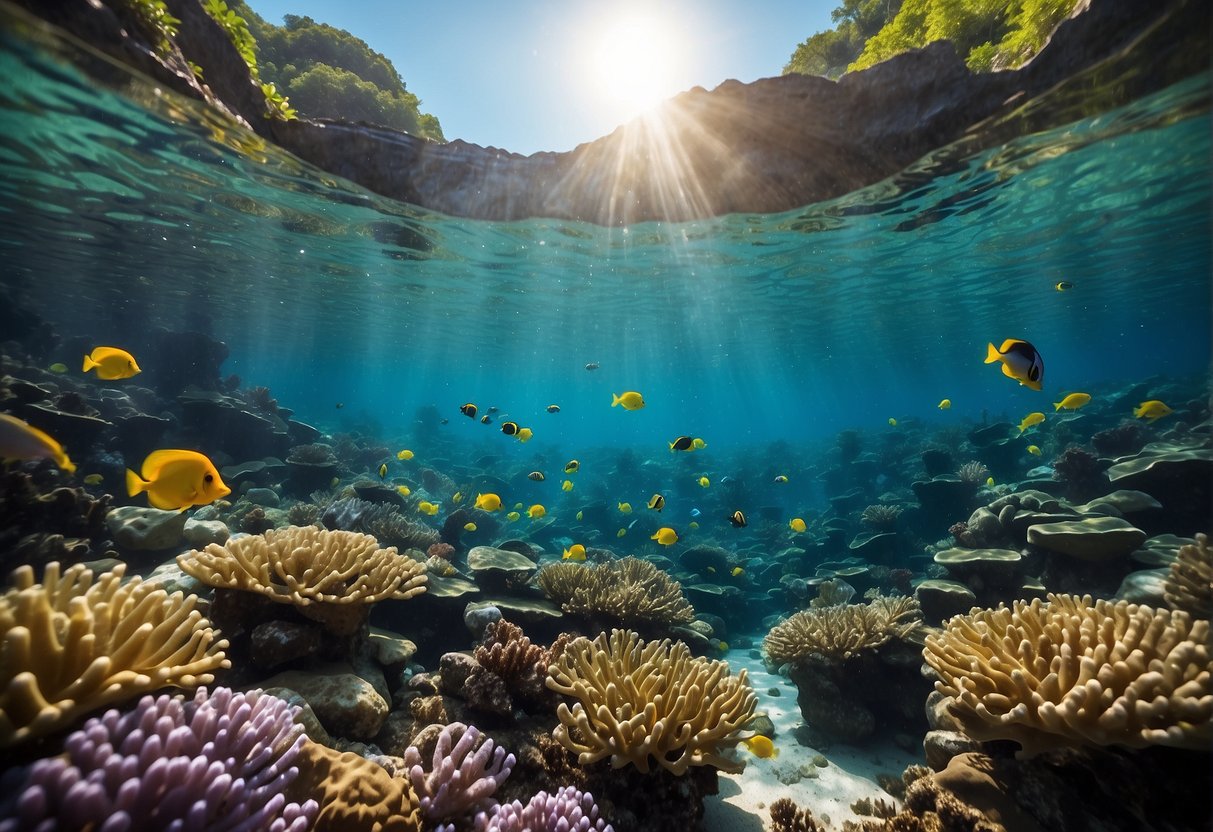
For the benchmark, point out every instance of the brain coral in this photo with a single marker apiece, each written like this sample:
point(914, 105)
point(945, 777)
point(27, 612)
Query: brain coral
point(71, 644)
point(628, 590)
point(640, 700)
point(1070, 671)
point(840, 631)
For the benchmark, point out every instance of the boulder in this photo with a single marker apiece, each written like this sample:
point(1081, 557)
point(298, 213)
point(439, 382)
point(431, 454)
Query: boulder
point(346, 704)
point(1092, 538)
point(142, 528)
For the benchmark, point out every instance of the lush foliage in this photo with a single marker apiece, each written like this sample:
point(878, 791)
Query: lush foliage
point(238, 31)
point(832, 51)
point(155, 21)
point(330, 73)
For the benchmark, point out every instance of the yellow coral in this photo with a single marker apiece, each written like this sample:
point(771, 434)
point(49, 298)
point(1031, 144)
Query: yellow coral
point(71, 645)
point(841, 631)
point(1072, 672)
point(640, 700)
point(629, 590)
point(1189, 584)
point(303, 565)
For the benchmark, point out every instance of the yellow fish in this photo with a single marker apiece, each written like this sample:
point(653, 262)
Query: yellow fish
point(334, 482)
point(512, 516)
point(737, 572)
point(665, 536)
point(469, 527)
point(781, 478)
point(574, 552)
point(383, 470)
point(488, 502)
point(1032, 419)
point(1034, 450)
point(892, 422)
point(572, 466)
point(19, 440)
point(1063, 285)
point(1020, 361)
point(518, 506)
point(761, 746)
point(403, 490)
point(698, 444)
point(94, 479)
point(426, 507)
point(580, 515)
point(624, 508)
point(724, 646)
point(536, 511)
point(1153, 409)
point(525, 434)
point(989, 481)
point(656, 502)
point(682, 443)
point(405, 455)
point(175, 480)
point(704, 482)
point(58, 367)
point(694, 524)
point(945, 404)
point(797, 525)
point(567, 485)
point(111, 363)
point(1072, 401)
point(457, 497)
point(631, 400)
point(621, 533)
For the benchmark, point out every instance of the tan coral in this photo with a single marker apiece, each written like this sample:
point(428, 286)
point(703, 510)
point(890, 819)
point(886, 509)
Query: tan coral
point(354, 793)
point(641, 701)
point(303, 565)
point(629, 590)
point(1070, 671)
point(1189, 585)
point(72, 644)
point(841, 631)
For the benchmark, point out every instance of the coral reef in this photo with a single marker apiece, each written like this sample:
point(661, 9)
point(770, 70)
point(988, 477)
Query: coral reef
point(383, 522)
point(1189, 582)
point(464, 773)
point(521, 666)
point(72, 644)
point(568, 810)
point(881, 516)
point(786, 816)
point(638, 701)
point(219, 761)
point(1070, 671)
point(355, 794)
point(39, 524)
point(1080, 471)
point(841, 631)
point(1127, 438)
point(628, 591)
point(303, 514)
point(832, 593)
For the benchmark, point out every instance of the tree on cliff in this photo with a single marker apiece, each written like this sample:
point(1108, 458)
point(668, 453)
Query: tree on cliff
point(329, 73)
point(830, 52)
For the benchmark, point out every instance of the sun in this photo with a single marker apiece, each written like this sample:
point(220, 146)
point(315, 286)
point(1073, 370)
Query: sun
point(636, 62)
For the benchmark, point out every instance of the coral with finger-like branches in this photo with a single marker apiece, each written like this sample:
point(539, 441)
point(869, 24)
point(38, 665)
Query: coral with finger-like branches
point(628, 590)
point(1189, 584)
point(842, 631)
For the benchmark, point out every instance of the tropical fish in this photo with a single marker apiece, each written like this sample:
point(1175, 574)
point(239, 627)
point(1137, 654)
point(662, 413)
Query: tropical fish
point(711, 570)
point(553, 408)
point(537, 476)
point(737, 572)
point(723, 646)
point(656, 502)
point(797, 525)
point(509, 428)
point(761, 746)
point(892, 422)
point(519, 505)
point(567, 485)
point(94, 479)
point(493, 409)
point(682, 443)
point(486, 419)
point(574, 552)
point(525, 434)
point(695, 512)
point(468, 410)
point(403, 490)
point(1153, 409)
point(1032, 419)
point(58, 367)
point(512, 516)
point(111, 363)
point(383, 470)
point(488, 502)
point(19, 440)
point(621, 533)
point(580, 515)
point(698, 444)
point(945, 404)
point(781, 478)
point(340, 405)
point(469, 527)
point(334, 482)
point(1020, 361)
point(457, 497)
point(176, 479)
point(665, 536)
point(593, 365)
point(426, 507)
point(1063, 285)
point(624, 508)
point(405, 455)
point(1072, 402)
point(737, 519)
point(536, 511)
point(989, 481)
point(572, 466)
point(704, 482)
point(692, 525)
point(630, 400)
point(1034, 450)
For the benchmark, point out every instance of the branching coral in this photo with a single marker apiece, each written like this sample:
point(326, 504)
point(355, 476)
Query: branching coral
point(568, 810)
point(640, 700)
point(786, 816)
point(881, 515)
point(380, 520)
point(462, 777)
point(1070, 671)
point(72, 644)
point(832, 593)
point(1189, 585)
point(520, 666)
point(972, 472)
point(839, 632)
point(629, 590)
point(220, 761)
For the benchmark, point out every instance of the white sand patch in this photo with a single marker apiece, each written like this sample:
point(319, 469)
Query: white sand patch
point(742, 805)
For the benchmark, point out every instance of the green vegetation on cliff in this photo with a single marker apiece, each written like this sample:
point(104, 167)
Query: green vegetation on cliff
point(830, 52)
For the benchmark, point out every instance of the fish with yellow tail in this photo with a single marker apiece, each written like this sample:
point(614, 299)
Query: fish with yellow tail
point(383, 471)
point(738, 520)
point(761, 746)
point(656, 502)
point(1072, 402)
point(1034, 450)
point(892, 422)
point(176, 479)
point(537, 476)
point(704, 482)
point(1151, 410)
point(512, 516)
point(111, 363)
point(1031, 420)
point(426, 507)
point(698, 444)
point(567, 485)
point(630, 400)
point(405, 455)
point(624, 508)
point(572, 466)
point(682, 443)
point(1020, 361)
point(488, 502)
point(665, 536)
point(781, 478)
point(403, 490)
point(946, 404)
point(536, 511)
point(20, 440)
point(797, 525)
point(574, 552)
point(525, 434)
point(469, 527)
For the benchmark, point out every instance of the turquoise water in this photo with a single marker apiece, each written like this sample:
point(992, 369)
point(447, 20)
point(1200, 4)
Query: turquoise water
point(743, 329)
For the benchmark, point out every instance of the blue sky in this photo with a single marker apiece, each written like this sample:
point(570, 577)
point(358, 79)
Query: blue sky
point(537, 75)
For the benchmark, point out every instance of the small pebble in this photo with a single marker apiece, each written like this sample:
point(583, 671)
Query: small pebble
point(820, 760)
point(774, 692)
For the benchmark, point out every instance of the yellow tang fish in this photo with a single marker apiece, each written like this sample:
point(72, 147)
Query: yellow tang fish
point(175, 480)
point(1031, 420)
point(457, 497)
point(665, 536)
point(781, 478)
point(1020, 361)
point(469, 527)
point(19, 440)
point(797, 525)
point(737, 572)
point(624, 508)
point(1072, 401)
point(698, 444)
point(334, 482)
point(1063, 285)
point(58, 367)
point(111, 363)
point(892, 422)
point(525, 434)
point(945, 404)
point(761, 746)
point(1153, 409)
point(429, 508)
point(567, 485)
point(488, 502)
point(403, 490)
point(94, 479)
point(704, 482)
point(383, 470)
point(580, 515)
point(621, 533)
point(536, 511)
point(518, 506)
point(723, 647)
point(1034, 450)
point(989, 481)
point(574, 552)
point(512, 516)
point(631, 400)
point(405, 455)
